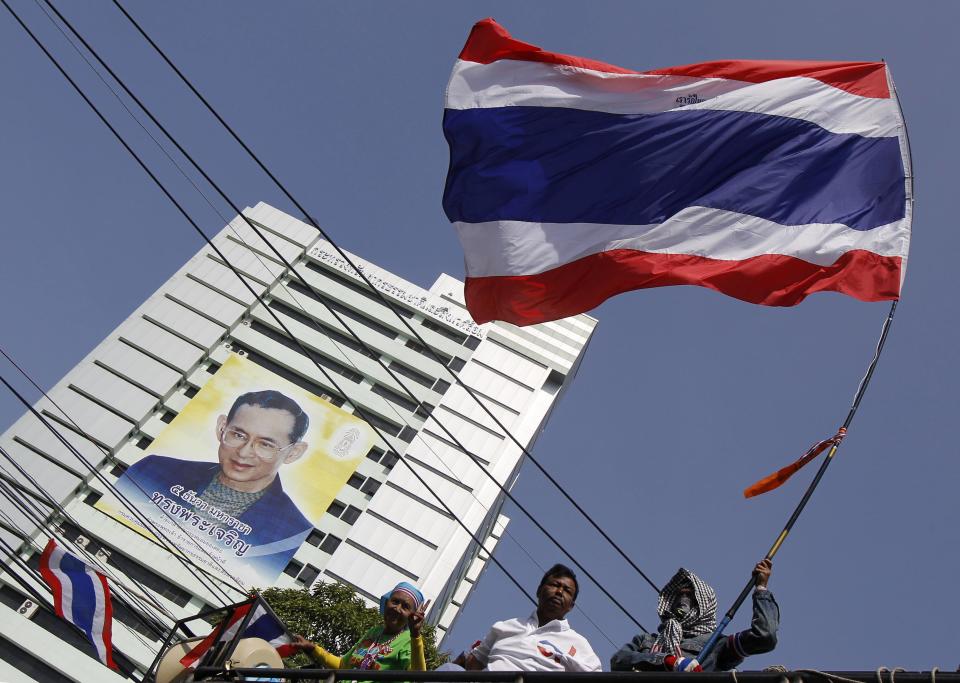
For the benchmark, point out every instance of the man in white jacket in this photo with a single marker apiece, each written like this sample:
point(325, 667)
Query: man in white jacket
point(544, 641)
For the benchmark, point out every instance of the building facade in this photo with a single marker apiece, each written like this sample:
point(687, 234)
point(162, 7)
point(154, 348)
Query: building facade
point(384, 525)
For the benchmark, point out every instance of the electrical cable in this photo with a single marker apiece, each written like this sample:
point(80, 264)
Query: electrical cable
point(50, 527)
point(252, 290)
point(185, 561)
point(58, 508)
point(358, 339)
point(290, 267)
point(96, 473)
point(383, 299)
point(44, 602)
point(117, 596)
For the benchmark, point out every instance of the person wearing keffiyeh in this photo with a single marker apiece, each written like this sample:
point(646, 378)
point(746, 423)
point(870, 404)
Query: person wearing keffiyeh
point(394, 645)
point(688, 615)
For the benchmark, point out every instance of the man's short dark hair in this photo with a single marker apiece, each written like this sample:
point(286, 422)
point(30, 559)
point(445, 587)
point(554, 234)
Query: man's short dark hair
point(561, 570)
point(269, 398)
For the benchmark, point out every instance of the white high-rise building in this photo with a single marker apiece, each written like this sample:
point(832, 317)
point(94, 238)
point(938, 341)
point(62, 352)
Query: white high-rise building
point(384, 525)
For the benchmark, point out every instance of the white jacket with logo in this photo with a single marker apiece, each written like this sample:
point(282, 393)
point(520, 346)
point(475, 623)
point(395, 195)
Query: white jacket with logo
point(522, 645)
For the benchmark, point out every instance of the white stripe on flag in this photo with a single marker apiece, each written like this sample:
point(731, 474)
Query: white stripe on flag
point(696, 231)
point(514, 83)
point(66, 584)
point(99, 615)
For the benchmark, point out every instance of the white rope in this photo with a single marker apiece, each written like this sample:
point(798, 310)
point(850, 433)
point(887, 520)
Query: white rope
point(834, 677)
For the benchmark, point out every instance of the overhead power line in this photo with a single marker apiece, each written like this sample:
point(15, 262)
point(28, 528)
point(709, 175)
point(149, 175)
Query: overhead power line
point(39, 517)
point(290, 267)
point(119, 591)
point(16, 565)
point(315, 325)
point(383, 299)
point(92, 469)
point(249, 287)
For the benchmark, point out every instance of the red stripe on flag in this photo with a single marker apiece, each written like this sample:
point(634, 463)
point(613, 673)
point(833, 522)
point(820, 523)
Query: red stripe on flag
point(867, 79)
point(770, 279)
point(107, 622)
point(489, 42)
point(51, 578)
point(189, 659)
point(288, 650)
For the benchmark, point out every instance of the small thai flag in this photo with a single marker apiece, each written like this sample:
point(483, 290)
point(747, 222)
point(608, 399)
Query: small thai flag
point(262, 624)
point(81, 596)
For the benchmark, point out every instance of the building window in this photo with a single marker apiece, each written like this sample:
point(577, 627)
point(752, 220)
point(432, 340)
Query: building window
point(26, 663)
point(144, 443)
point(118, 469)
point(302, 382)
point(390, 459)
point(315, 324)
point(472, 342)
point(355, 480)
point(293, 568)
point(348, 513)
point(424, 410)
point(359, 287)
point(380, 423)
point(213, 366)
point(406, 434)
point(137, 571)
point(351, 514)
point(410, 373)
point(308, 575)
point(445, 331)
point(131, 619)
point(167, 416)
point(330, 544)
point(394, 397)
point(370, 486)
point(456, 364)
point(424, 351)
point(131, 568)
point(190, 392)
point(92, 497)
point(343, 310)
point(318, 358)
point(553, 382)
point(315, 538)
point(441, 386)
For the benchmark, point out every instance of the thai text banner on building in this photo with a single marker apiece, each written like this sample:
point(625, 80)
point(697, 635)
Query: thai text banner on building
point(240, 477)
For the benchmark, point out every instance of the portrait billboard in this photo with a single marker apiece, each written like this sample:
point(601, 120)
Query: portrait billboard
point(241, 476)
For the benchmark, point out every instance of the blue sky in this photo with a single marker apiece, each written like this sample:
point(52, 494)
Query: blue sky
point(685, 396)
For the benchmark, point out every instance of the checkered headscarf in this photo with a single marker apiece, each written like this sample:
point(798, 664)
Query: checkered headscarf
point(701, 620)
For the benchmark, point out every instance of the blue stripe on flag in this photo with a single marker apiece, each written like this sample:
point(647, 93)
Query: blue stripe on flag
point(265, 627)
point(560, 165)
point(84, 598)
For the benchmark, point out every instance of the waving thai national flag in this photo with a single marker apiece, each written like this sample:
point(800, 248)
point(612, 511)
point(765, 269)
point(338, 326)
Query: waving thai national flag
point(81, 596)
point(263, 623)
point(573, 180)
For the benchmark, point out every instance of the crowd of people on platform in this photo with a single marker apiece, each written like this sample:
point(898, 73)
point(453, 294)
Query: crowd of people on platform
point(545, 641)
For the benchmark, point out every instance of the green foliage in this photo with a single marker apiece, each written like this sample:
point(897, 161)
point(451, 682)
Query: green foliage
point(335, 617)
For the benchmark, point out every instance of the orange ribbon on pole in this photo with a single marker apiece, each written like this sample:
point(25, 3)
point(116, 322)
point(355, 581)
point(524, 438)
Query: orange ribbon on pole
point(775, 480)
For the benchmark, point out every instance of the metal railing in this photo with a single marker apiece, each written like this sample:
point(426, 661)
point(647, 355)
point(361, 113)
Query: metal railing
point(881, 675)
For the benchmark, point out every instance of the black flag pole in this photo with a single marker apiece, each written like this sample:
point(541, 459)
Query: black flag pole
point(861, 390)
